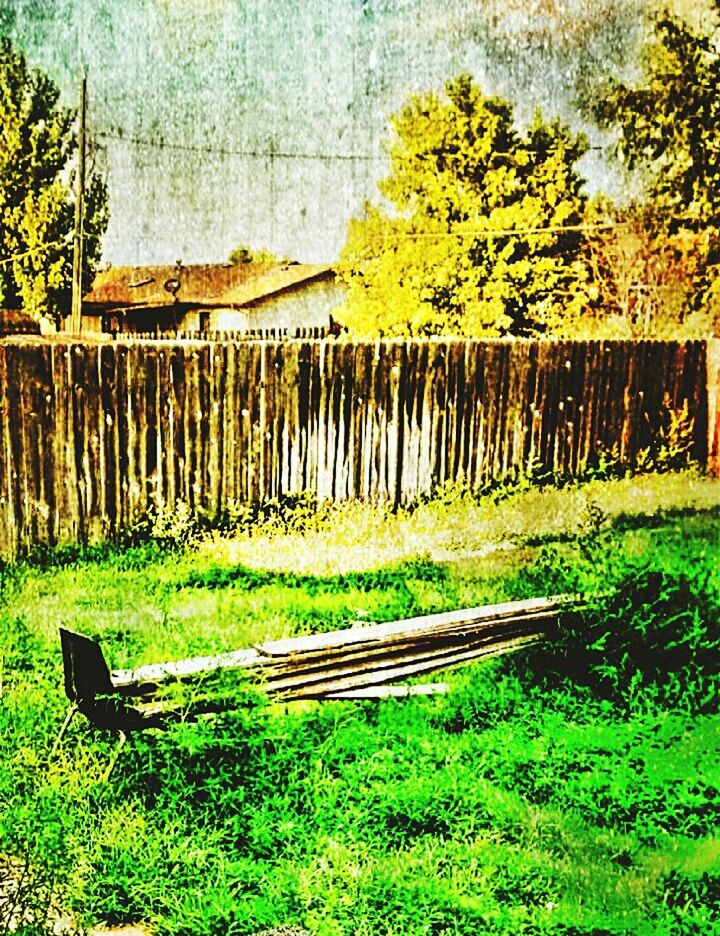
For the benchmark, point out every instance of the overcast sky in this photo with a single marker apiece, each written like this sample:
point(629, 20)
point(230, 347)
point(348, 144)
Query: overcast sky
point(190, 99)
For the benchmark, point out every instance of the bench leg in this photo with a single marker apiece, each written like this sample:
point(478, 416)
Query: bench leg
point(113, 761)
point(71, 712)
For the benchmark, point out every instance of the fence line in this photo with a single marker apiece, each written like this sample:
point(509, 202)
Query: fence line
point(308, 333)
point(92, 434)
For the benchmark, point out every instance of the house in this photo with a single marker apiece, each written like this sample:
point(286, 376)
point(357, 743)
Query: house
point(17, 322)
point(215, 297)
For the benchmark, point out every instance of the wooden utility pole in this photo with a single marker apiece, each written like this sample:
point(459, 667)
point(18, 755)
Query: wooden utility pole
point(76, 312)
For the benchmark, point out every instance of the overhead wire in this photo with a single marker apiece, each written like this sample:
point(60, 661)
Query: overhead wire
point(161, 144)
point(203, 149)
point(271, 154)
point(134, 140)
point(119, 136)
point(514, 232)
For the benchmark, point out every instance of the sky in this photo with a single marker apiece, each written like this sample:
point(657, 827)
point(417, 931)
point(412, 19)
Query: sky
point(261, 122)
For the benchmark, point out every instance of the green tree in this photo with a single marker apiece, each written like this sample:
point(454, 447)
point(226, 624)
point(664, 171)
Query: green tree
point(37, 147)
point(245, 254)
point(668, 133)
point(443, 256)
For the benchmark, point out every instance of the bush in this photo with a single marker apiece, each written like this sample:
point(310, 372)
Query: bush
point(655, 632)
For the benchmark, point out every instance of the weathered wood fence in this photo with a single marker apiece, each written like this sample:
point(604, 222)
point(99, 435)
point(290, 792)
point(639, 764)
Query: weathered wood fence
point(93, 434)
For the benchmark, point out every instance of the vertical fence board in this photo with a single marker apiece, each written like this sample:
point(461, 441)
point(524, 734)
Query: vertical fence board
point(8, 523)
point(712, 396)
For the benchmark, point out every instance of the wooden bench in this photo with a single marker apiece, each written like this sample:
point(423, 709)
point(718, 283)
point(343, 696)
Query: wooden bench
point(369, 661)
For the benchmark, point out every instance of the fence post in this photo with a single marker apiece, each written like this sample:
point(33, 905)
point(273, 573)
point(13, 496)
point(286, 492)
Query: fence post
point(713, 401)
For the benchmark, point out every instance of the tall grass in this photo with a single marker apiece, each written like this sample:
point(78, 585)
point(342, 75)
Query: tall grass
point(568, 790)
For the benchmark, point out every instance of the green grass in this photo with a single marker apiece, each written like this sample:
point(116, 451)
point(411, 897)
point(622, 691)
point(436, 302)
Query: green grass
point(536, 797)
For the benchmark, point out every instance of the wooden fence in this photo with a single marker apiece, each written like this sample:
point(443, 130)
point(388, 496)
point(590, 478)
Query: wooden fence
point(93, 434)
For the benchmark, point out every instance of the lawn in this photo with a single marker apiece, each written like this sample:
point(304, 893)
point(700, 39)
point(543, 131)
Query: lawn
point(572, 789)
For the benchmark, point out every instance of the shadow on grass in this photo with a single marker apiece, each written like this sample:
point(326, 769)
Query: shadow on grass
point(625, 523)
point(391, 578)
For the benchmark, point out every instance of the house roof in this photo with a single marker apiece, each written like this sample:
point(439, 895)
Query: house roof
point(233, 285)
point(15, 321)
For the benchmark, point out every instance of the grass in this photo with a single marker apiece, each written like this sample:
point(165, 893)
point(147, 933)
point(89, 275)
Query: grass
point(536, 797)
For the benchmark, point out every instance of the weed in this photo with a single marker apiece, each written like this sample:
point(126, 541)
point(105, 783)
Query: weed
point(651, 634)
point(675, 441)
point(29, 901)
point(297, 512)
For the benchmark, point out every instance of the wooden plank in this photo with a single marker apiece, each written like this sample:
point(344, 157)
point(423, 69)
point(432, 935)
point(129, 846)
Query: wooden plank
point(124, 434)
point(502, 450)
point(457, 404)
point(695, 393)
point(437, 405)
point(216, 435)
point(277, 424)
point(138, 502)
point(563, 432)
point(109, 475)
point(391, 692)
point(323, 413)
point(257, 422)
point(475, 436)
point(192, 426)
point(424, 407)
point(165, 443)
point(573, 401)
point(265, 420)
point(587, 408)
point(379, 489)
point(226, 428)
point(244, 422)
point(93, 444)
point(319, 685)
point(23, 378)
point(206, 464)
point(429, 623)
point(302, 435)
point(490, 419)
point(303, 669)
point(347, 397)
point(475, 620)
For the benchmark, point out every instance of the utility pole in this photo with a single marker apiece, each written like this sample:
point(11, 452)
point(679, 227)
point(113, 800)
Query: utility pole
point(76, 312)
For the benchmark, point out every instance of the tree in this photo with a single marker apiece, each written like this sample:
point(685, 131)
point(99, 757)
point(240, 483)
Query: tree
point(245, 254)
point(668, 132)
point(37, 145)
point(641, 273)
point(463, 180)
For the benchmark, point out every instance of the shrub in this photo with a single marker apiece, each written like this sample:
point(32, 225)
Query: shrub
point(655, 632)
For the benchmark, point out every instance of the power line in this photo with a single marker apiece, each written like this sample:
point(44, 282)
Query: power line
point(509, 232)
point(134, 140)
point(226, 151)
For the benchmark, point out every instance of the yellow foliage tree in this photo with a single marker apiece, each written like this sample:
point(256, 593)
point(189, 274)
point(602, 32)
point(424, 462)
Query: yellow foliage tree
point(481, 237)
